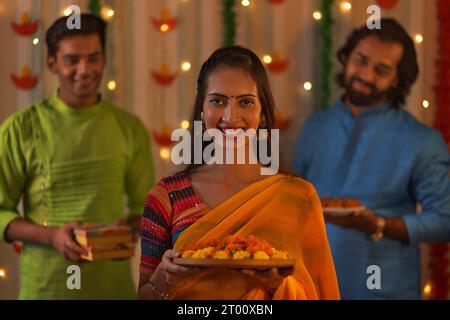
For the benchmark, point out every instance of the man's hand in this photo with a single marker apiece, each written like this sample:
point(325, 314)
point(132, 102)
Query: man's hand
point(134, 223)
point(62, 239)
point(365, 221)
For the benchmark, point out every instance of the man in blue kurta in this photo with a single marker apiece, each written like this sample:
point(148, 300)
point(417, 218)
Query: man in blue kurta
point(367, 147)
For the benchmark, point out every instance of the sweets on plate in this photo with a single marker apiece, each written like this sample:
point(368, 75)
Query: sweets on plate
point(340, 203)
point(234, 247)
point(104, 242)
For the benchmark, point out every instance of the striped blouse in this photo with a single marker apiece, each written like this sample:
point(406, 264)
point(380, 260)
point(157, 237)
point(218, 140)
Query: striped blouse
point(171, 206)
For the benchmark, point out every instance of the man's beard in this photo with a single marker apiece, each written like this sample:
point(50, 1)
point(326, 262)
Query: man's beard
point(360, 99)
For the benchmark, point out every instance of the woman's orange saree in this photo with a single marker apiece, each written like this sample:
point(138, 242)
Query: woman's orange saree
point(286, 212)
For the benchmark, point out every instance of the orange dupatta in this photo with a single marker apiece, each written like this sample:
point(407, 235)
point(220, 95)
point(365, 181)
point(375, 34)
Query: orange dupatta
point(286, 212)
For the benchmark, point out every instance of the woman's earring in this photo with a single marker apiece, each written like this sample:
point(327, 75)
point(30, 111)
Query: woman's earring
point(264, 135)
point(202, 117)
point(262, 122)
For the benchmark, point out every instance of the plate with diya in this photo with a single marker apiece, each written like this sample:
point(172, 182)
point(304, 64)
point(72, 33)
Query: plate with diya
point(341, 206)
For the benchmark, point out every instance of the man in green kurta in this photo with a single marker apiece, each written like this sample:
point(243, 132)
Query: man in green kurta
point(72, 158)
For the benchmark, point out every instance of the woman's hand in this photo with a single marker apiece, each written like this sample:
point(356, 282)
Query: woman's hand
point(62, 239)
point(167, 272)
point(269, 278)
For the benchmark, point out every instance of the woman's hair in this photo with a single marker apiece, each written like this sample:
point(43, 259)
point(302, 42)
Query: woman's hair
point(89, 23)
point(244, 59)
point(407, 69)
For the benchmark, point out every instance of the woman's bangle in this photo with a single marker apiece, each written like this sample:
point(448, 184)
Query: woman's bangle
point(162, 295)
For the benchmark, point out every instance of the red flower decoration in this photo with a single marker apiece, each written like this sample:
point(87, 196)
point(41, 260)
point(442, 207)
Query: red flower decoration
point(25, 28)
point(387, 4)
point(163, 138)
point(278, 66)
point(165, 23)
point(164, 77)
point(25, 81)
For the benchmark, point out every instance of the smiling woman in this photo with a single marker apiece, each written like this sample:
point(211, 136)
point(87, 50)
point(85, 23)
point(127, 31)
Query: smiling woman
point(215, 200)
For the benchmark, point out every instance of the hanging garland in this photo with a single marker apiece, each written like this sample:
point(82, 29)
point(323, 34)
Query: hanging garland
point(95, 7)
point(326, 51)
point(229, 22)
point(26, 27)
point(439, 261)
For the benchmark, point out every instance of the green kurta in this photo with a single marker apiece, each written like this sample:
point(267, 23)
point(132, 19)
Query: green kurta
point(73, 165)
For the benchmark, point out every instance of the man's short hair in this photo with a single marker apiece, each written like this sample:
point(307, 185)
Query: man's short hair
point(90, 24)
point(407, 69)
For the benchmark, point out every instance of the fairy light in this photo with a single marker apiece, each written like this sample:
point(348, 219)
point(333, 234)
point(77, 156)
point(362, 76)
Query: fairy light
point(345, 6)
point(186, 66)
point(164, 153)
point(164, 27)
point(35, 41)
point(418, 38)
point(317, 15)
point(427, 289)
point(2, 273)
point(112, 85)
point(107, 13)
point(267, 59)
point(307, 86)
point(185, 124)
point(67, 12)
point(245, 3)
point(426, 104)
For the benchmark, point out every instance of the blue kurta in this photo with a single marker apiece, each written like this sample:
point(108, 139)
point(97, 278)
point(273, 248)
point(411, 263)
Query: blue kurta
point(390, 162)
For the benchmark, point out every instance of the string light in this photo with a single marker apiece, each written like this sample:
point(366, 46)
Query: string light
point(245, 3)
point(164, 153)
point(427, 289)
point(164, 27)
point(112, 85)
point(345, 6)
point(267, 59)
point(2, 273)
point(307, 86)
point(186, 66)
point(317, 15)
point(418, 38)
point(35, 41)
point(185, 124)
point(107, 13)
point(425, 104)
point(67, 12)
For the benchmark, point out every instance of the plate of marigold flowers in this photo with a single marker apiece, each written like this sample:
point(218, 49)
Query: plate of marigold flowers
point(235, 252)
